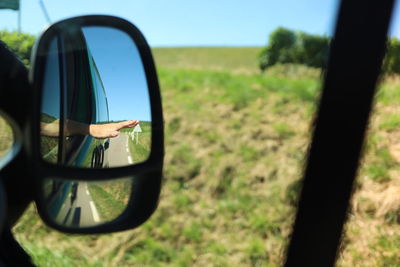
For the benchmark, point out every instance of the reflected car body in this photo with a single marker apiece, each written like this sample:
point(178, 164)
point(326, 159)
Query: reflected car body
point(87, 102)
point(82, 99)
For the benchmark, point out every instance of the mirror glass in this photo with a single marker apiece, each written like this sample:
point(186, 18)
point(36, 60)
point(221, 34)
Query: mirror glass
point(95, 110)
point(77, 204)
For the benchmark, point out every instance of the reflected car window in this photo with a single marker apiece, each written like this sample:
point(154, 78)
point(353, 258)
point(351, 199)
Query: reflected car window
point(51, 102)
point(102, 105)
point(79, 99)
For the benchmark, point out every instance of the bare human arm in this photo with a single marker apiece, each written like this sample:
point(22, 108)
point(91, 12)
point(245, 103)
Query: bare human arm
point(101, 131)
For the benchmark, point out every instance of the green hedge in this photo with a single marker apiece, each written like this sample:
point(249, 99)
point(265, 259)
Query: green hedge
point(20, 43)
point(288, 46)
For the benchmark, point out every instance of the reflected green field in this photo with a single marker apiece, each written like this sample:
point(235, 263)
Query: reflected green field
point(49, 144)
point(140, 143)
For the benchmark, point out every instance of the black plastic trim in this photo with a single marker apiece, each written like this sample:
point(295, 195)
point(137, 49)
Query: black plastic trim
point(354, 65)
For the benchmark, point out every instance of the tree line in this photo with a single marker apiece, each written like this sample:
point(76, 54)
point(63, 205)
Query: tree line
point(20, 43)
point(297, 47)
point(284, 46)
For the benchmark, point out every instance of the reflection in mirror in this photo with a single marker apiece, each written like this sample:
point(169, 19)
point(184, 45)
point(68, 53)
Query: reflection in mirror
point(95, 109)
point(6, 136)
point(77, 204)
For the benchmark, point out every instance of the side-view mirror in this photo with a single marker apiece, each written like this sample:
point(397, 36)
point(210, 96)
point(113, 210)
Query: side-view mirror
point(97, 135)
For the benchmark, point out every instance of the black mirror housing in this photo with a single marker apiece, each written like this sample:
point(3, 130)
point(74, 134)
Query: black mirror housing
point(145, 175)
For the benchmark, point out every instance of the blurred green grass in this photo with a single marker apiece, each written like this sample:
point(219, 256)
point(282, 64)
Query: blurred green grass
point(225, 154)
point(236, 143)
point(232, 59)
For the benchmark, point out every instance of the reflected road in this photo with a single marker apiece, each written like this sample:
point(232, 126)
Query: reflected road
point(78, 209)
point(119, 153)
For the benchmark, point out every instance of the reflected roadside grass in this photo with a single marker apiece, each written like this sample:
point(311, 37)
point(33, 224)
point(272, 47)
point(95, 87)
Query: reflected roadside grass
point(111, 197)
point(139, 143)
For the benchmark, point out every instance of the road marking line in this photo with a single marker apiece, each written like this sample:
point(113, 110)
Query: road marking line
point(96, 217)
point(130, 160)
point(127, 150)
point(87, 192)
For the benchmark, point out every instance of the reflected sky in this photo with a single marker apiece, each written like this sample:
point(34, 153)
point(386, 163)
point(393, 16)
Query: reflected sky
point(51, 83)
point(121, 70)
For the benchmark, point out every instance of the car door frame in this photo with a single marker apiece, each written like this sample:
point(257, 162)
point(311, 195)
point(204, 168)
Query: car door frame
point(356, 55)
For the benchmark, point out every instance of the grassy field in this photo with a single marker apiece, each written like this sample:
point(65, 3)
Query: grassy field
point(233, 59)
point(236, 143)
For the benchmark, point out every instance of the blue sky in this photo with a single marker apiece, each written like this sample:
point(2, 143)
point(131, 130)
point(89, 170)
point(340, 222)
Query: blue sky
point(193, 23)
point(122, 73)
point(189, 23)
